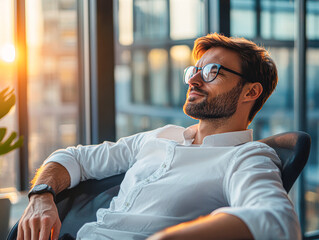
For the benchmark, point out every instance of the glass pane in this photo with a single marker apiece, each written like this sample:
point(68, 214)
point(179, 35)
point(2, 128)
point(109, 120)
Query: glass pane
point(150, 19)
point(139, 68)
point(125, 22)
point(312, 169)
point(158, 67)
point(181, 58)
point(277, 19)
point(187, 18)
point(276, 115)
point(7, 79)
point(52, 74)
point(149, 88)
point(312, 19)
point(243, 18)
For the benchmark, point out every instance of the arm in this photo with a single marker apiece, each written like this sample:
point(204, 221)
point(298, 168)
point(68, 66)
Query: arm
point(65, 169)
point(41, 215)
point(258, 203)
point(219, 226)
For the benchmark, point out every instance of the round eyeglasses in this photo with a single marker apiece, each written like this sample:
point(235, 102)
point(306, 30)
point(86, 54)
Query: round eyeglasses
point(209, 72)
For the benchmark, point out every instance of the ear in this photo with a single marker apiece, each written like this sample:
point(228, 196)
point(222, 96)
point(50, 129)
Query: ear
point(252, 91)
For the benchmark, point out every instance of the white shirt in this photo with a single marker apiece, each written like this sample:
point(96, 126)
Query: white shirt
point(168, 181)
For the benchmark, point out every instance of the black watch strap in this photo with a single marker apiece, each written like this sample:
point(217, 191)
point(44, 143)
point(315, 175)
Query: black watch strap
point(42, 188)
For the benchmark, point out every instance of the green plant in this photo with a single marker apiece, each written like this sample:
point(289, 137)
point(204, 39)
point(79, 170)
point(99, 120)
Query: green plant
point(7, 101)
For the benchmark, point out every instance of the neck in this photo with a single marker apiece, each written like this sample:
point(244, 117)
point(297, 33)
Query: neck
point(216, 126)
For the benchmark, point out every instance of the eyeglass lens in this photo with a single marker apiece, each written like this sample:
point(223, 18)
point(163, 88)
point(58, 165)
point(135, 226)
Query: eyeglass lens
point(209, 72)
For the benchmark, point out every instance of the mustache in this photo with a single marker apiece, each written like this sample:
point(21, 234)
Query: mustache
point(194, 88)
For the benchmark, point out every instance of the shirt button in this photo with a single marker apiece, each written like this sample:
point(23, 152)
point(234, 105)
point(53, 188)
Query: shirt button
point(148, 181)
point(164, 165)
point(127, 204)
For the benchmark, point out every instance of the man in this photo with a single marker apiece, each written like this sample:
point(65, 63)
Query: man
point(209, 181)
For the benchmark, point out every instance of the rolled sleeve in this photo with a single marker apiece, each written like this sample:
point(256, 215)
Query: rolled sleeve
point(66, 160)
point(254, 191)
point(98, 161)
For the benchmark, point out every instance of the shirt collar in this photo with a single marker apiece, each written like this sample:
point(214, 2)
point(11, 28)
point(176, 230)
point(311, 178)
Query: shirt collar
point(219, 140)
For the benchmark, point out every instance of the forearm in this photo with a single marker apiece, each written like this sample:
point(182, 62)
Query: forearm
point(220, 226)
point(54, 175)
point(41, 215)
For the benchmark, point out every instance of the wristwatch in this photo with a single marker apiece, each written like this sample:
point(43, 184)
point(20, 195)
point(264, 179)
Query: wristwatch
point(42, 188)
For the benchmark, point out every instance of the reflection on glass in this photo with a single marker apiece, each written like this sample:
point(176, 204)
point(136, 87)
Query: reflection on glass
point(243, 18)
point(125, 22)
point(312, 19)
point(158, 59)
point(277, 19)
point(52, 77)
point(187, 18)
point(150, 19)
point(181, 58)
point(7, 79)
point(123, 78)
point(282, 98)
point(139, 77)
point(276, 116)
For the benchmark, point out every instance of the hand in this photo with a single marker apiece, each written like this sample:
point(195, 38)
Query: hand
point(7, 101)
point(39, 219)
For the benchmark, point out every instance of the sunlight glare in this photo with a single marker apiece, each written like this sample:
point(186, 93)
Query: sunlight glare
point(8, 53)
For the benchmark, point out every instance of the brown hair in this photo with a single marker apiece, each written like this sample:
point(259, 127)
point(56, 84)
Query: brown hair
point(256, 63)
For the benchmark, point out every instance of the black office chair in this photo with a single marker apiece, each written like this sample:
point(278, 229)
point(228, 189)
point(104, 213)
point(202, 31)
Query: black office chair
point(82, 202)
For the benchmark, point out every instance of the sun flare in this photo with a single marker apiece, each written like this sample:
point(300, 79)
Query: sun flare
point(7, 53)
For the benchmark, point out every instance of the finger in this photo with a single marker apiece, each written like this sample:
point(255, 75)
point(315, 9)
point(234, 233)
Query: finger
point(44, 234)
point(45, 229)
point(20, 232)
point(56, 230)
point(26, 232)
point(35, 228)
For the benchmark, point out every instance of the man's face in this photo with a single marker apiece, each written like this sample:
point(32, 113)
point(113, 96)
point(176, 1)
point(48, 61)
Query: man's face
point(217, 99)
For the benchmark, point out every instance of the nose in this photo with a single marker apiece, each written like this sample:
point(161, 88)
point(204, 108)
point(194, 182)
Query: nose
point(196, 80)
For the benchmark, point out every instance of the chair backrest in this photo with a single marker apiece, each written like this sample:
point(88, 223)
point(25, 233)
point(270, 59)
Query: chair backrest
point(293, 150)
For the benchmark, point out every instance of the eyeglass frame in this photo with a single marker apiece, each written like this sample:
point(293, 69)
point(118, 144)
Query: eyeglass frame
point(219, 66)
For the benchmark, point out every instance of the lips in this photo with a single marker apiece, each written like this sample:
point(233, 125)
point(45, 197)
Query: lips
point(194, 94)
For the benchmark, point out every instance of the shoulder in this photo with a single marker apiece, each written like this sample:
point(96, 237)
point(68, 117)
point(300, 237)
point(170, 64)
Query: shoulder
point(256, 153)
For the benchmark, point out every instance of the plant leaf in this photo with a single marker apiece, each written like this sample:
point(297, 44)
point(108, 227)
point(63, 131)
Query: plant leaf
point(7, 101)
point(9, 144)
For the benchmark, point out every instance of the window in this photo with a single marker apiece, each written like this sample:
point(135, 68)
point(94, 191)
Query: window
point(152, 49)
point(150, 64)
point(7, 79)
point(277, 30)
point(51, 28)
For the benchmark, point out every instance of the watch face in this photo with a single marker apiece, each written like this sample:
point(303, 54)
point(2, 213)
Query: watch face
point(40, 187)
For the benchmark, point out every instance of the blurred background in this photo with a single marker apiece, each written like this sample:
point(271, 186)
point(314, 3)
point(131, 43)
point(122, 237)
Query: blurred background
point(89, 71)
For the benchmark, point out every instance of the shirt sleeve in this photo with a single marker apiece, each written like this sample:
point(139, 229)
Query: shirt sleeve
point(98, 161)
point(254, 191)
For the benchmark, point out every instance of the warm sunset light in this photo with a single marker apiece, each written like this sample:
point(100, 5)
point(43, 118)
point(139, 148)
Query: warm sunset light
point(7, 53)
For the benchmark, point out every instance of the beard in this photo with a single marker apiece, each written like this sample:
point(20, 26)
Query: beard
point(222, 106)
